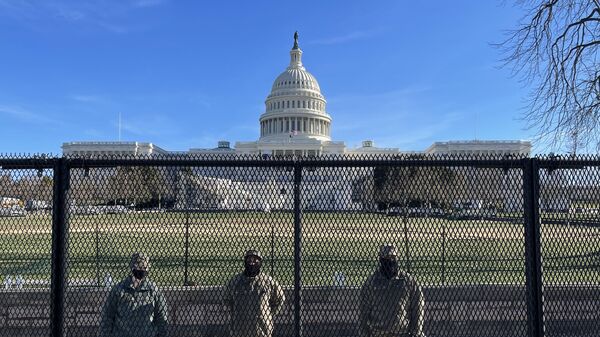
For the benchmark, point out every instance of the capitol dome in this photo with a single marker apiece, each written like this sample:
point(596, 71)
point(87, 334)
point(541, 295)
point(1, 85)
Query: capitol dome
point(296, 78)
point(295, 107)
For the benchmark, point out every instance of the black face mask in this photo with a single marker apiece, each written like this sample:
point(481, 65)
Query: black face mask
point(139, 274)
point(389, 267)
point(251, 270)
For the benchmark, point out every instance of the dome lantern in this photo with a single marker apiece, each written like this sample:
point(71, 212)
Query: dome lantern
point(296, 54)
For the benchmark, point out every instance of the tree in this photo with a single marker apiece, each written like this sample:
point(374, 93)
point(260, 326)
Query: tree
point(401, 185)
point(6, 185)
point(33, 188)
point(142, 184)
point(556, 48)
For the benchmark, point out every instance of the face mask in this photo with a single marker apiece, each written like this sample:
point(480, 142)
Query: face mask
point(251, 270)
point(389, 267)
point(139, 274)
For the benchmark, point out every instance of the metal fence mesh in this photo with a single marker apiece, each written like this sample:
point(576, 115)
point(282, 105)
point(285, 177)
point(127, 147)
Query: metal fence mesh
point(25, 251)
point(570, 216)
point(194, 223)
point(454, 239)
point(458, 226)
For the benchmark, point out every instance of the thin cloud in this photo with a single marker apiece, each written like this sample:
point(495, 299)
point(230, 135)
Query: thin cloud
point(149, 126)
point(101, 14)
point(385, 108)
point(93, 133)
point(402, 93)
point(401, 118)
point(148, 3)
point(25, 115)
point(356, 35)
point(22, 10)
point(86, 98)
point(424, 135)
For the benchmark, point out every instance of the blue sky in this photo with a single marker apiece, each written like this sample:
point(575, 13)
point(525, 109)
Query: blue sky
point(185, 74)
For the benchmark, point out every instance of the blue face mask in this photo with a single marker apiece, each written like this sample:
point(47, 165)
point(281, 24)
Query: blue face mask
point(139, 274)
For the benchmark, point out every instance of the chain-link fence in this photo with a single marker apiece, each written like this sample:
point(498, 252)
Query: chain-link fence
point(479, 246)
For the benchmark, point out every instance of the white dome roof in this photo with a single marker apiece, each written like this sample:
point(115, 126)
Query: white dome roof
point(296, 78)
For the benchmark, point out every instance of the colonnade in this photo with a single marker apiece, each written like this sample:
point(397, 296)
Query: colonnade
point(307, 125)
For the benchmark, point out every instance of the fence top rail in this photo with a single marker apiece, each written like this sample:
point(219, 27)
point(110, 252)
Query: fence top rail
point(363, 160)
point(568, 161)
point(288, 161)
point(27, 161)
point(97, 163)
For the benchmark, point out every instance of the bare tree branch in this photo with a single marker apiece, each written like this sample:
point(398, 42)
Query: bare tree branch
point(556, 49)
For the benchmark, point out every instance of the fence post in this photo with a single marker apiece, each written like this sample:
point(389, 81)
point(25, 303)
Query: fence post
point(59, 243)
point(297, 249)
point(533, 250)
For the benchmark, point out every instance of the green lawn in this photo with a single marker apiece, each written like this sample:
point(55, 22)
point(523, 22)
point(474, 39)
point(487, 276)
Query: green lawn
point(437, 251)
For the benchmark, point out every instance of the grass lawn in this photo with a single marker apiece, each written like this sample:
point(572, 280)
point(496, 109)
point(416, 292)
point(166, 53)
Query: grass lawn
point(437, 251)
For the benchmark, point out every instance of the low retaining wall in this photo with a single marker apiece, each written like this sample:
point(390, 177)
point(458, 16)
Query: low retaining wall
point(467, 311)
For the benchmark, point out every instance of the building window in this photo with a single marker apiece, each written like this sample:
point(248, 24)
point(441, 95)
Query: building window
point(293, 104)
point(288, 104)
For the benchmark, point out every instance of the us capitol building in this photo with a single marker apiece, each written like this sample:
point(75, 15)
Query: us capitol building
point(296, 122)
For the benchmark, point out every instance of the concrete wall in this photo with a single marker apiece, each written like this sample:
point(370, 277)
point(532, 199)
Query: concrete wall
point(332, 312)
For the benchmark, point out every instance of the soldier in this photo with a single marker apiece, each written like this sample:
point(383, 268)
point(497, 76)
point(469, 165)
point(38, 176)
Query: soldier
point(135, 306)
point(253, 298)
point(391, 301)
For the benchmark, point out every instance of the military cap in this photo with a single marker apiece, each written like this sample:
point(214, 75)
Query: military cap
point(387, 250)
point(253, 252)
point(139, 261)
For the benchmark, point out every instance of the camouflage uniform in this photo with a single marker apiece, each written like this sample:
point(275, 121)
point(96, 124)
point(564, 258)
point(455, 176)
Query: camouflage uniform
point(133, 312)
point(391, 307)
point(252, 302)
